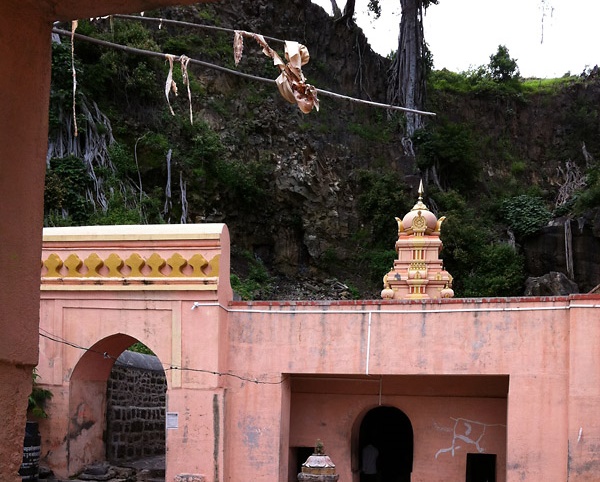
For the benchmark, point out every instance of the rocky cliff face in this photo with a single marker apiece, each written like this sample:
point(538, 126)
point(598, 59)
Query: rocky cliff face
point(569, 246)
point(310, 161)
point(524, 140)
point(541, 142)
point(310, 195)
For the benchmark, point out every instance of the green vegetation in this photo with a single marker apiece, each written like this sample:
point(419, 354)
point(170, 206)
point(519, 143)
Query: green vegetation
point(452, 150)
point(500, 77)
point(379, 261)
point(382, 196)
point(525, 214)
point(36, 403)
point(548, 86)
point(255, 282)
point(502, 68)
point(497, 271)
point(479, 81)
point(481, 264)
point(589, 198)
point(139, 347)
point(378, 130)
point(65, 192)
point(482, 169)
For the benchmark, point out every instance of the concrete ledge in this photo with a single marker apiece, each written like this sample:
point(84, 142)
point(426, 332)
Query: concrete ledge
point(149, 232)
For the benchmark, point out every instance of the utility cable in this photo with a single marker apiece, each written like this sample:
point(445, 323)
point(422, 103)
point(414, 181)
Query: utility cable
point(177, 58)
point(166, 366)
point(186, 24)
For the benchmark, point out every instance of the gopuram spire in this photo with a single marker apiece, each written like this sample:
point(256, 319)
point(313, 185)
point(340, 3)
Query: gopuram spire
point(418, 271)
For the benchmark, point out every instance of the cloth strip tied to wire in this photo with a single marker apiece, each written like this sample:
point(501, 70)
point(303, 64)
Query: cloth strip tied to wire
point(291, 81)
point(234, 72)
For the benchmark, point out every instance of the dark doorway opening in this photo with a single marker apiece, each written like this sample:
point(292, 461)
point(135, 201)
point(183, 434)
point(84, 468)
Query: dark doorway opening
point(301, 454)
point(481, 468)
point(390, 431)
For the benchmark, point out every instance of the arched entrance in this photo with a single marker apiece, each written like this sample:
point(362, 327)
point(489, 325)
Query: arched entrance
point(88, 402)
point(135, 409)
point(390, 431)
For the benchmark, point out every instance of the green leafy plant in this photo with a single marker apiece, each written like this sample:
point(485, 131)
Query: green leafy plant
point(36, 403)
point(65, 192)
point(502, 67)
point(255, 282)
point(499, 78)
point(379, 131)
point(354, 291)
point(518, 167)
point(589, 197)
point(548, 86)
point(382, 196)
point(498, 271)
point(139, 347)
point(525, 214)
point(452, 149)
point(481, 263)
point(379, 262)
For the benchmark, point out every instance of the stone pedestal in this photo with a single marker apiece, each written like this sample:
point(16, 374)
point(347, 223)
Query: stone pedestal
point(318, 468)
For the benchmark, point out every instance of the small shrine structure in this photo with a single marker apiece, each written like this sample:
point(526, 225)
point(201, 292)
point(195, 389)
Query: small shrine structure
point(418, 271)
point(318, 467)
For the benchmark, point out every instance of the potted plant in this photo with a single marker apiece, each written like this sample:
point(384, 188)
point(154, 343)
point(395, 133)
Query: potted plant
point(36, 403)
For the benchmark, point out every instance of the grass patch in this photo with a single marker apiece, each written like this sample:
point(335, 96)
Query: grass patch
point(548, 86)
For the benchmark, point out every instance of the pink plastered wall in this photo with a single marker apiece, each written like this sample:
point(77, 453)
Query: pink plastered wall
point(515, 378)
point(87, 323)
point(526, 340)
point(445, 430)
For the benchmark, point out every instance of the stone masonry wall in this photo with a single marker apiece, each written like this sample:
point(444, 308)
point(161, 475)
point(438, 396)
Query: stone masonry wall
point(135, 413)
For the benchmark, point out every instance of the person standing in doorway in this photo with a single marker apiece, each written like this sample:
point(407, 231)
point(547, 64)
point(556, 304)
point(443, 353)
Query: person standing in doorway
point(370, 453)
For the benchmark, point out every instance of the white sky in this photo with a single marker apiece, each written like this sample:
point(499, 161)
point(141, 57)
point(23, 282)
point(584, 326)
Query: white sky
point(464, 33)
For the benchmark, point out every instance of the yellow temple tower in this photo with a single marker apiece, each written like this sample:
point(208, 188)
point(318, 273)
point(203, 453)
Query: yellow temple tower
point(418, 272)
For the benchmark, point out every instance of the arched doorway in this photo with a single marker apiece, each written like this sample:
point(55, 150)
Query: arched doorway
point(88, 401)
point(390, 431)
point(135, 409)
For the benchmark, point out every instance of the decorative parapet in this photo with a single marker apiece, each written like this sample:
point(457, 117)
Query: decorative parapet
point(135, 268)
point(163, 257)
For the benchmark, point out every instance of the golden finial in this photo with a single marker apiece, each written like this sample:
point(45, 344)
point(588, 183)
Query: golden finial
point(420, 205)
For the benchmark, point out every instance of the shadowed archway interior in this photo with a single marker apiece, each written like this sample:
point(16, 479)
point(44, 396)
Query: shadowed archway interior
point(390, 431)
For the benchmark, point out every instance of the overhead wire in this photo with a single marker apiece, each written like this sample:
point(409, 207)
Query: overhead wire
point(166, 366)
point(134, 50)
point(186, 24)
point(178, 58)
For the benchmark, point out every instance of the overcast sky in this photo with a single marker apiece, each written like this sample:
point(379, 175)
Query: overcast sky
point(464, 33)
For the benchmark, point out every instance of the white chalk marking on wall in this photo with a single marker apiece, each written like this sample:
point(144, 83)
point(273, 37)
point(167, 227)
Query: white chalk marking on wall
point(469, 431)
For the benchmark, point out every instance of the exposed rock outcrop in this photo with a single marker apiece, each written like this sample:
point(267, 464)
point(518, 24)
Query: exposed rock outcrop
point(567, 245)
point(551, 284)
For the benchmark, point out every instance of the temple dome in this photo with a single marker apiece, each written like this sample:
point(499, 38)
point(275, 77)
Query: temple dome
point(419, 209)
